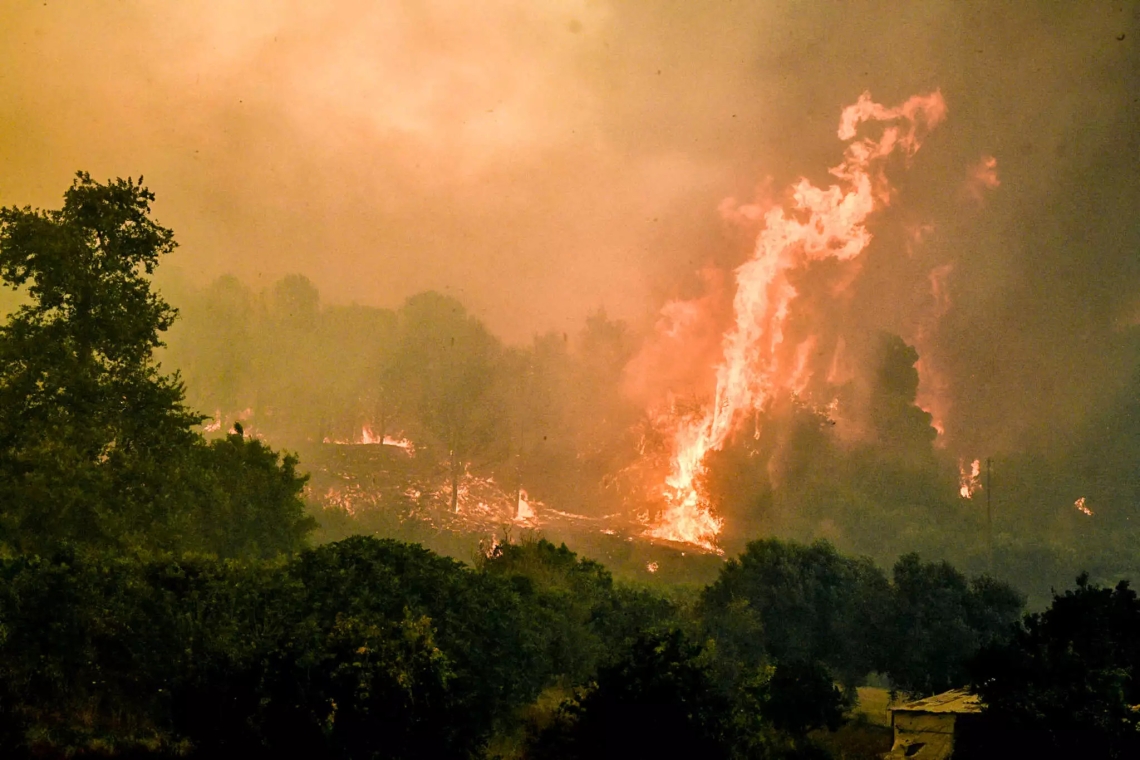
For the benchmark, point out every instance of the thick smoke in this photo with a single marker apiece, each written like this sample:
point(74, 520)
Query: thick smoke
point(540, 161)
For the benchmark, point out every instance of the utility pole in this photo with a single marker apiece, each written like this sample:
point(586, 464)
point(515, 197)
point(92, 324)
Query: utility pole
point(989, 512)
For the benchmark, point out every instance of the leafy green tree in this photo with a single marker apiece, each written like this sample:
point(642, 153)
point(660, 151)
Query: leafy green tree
point(1068, 681)
point(488, 628)
point(366, 648)
point(97, 447)
point(802, 697)
point(587, 619)
point(84, 412)
point(245, 500)
point(445, 361)
point(939, 620)
point(364, 687)
point(659, 700)
point(798, 604)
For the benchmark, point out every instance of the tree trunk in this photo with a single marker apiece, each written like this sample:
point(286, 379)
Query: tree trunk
point(380, 419)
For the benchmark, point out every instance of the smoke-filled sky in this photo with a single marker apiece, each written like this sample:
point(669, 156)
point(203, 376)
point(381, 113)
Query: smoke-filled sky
point(541, 159)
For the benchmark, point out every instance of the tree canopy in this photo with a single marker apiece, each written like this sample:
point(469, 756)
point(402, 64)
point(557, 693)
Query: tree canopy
point(445, 362)
point(798, 604)
point(1067, 683)
point(97, 446)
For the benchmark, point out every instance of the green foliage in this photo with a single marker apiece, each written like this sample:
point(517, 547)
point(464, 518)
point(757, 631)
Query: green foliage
point(360, 649)
point(802, 697)
point(375, 648)
point(445, 362)
point(660, 700)
point(246, 500)
point(1068, 682)
point(86, 420)
point(939, 621)
point(798, 604)
point(97, 448)
point(485, 626)
point(364, 688)
point(587, 618)
point(663, 698)
point(805, 606)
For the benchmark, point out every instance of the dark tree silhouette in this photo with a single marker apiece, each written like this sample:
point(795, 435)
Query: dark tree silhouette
point(97, 447)
point(1068, 682)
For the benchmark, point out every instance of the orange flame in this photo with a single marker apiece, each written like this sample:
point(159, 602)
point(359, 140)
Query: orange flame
point(218, 421)
point(969, 479)
point(1080, 505)
point(215, 423)
point(369, 438)
point(821, 224)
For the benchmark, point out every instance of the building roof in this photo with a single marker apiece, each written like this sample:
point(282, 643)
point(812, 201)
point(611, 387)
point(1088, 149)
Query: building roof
point(956, 701)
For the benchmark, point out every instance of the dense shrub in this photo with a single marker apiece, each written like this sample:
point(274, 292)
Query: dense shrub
point(1067, 684)
point(788, 603)
point(334, 653)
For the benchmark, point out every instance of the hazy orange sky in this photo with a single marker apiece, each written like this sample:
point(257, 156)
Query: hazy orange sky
point(542, 159)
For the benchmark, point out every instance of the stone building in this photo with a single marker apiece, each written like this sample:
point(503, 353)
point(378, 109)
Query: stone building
point(925, 729)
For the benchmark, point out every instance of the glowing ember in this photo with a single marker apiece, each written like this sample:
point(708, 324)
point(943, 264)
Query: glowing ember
point(969, 478)
point(651, 567)
point(1081, 507)
point(352, 498)
point(480, 500)
point(368, 438)
point(822, 223)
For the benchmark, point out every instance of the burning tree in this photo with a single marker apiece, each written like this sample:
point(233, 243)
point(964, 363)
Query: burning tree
point(762, 359)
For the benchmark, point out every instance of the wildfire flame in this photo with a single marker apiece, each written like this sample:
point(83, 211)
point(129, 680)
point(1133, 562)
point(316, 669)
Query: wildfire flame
point(1080, 505)
point(369, 438)
point(215, 423)
point(400, 443)
point(525, 513)
point(822, 223)
point(218, 421)
point(969, 478)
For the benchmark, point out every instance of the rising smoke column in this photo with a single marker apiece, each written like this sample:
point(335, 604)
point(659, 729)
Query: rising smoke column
point(820, 224)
